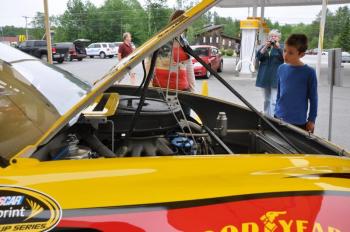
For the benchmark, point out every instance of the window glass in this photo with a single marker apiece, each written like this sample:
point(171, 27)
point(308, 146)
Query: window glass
point(30, 43)
point(201, 51)
point(40, 43)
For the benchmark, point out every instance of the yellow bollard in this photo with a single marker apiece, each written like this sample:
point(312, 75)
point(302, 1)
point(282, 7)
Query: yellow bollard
point(205, 91)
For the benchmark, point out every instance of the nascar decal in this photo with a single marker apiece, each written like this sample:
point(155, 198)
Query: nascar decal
point(271, 212)
point(23, 209)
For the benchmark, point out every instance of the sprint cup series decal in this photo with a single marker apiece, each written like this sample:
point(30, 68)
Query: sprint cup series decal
point(23, 209)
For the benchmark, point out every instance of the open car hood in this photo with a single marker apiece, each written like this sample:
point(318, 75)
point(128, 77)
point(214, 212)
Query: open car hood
point(116, 73)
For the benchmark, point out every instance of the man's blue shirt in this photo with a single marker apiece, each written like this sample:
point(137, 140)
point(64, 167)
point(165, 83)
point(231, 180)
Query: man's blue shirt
point(296, 89)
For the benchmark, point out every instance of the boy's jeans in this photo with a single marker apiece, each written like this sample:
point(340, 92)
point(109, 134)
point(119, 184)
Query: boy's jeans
point(270, 96)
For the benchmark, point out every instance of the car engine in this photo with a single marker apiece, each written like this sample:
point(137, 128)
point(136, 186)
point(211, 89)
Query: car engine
point(161, 129)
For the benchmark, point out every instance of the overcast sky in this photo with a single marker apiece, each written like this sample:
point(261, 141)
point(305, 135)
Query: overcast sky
point(12, 11)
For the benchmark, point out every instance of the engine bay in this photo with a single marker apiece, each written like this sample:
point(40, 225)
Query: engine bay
point(161, 129)
point(115, 126)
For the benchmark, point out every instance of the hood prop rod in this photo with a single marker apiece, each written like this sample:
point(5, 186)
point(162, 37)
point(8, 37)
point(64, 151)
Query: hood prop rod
point(143, 94)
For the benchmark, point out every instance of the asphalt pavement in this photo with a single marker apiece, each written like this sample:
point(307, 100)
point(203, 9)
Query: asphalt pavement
point(93, 69)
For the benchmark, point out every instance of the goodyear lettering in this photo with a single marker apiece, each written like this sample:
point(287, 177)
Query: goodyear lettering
point(290, 226)
point(286, 225)
point(301, 225)
point(11, 200)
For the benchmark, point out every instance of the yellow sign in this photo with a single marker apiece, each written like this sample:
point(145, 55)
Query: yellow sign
point(250, 24)
point(22, 38)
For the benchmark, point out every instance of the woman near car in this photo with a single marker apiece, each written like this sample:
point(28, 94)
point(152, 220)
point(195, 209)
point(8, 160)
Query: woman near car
point(270, 57)
point(184, 79)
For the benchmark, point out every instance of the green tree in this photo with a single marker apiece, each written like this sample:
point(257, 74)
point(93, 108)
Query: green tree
point(12, 31)
point(38, 25)
point(158, 15)
point(343, 40)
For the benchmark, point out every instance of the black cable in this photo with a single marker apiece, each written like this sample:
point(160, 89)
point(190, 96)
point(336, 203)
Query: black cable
point(143, 94)
point(189, 50)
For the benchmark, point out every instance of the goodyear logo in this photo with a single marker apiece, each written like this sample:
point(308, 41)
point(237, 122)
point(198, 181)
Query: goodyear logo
point(23, 209)
point(272, 223)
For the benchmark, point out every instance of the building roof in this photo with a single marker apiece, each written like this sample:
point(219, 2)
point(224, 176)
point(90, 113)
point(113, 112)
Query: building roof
point(215, 27)
point(209, 28)
point(230, 37)
point(270, 3)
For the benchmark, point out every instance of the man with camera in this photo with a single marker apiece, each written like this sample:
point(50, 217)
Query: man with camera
point(270, 57)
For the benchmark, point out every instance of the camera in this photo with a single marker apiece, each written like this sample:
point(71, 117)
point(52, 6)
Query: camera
point(272, 42)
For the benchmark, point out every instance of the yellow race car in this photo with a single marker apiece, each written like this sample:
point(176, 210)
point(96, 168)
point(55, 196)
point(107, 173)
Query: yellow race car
point(121, 158)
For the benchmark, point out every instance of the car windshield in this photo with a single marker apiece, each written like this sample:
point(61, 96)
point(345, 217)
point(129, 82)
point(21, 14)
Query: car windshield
point(32, 99)
point(201, 51)
point(111, 45)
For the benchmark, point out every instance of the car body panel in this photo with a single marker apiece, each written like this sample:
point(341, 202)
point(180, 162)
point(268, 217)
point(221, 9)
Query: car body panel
point(203, 185)
point(185, 193)
point(132, 176)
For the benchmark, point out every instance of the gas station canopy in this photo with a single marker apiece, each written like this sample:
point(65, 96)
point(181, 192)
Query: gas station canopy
point(272, 3)
point(275, 3)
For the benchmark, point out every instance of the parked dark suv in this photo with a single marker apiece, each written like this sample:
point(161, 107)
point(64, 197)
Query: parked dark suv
point(38, 49)
point(74, 50)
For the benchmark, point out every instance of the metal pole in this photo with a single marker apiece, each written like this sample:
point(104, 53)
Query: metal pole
point(334, 77)
point(47, 32)
point(331, 62)
point(262, 15)
point(26, 18)
point(320, 37)
point(255, 9)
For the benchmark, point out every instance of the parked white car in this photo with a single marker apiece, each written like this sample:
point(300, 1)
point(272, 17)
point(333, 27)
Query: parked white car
point(117, 44)
point(345, 57)
point(102, 50)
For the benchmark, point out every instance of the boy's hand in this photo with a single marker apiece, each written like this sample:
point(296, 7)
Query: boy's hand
point(310, 126)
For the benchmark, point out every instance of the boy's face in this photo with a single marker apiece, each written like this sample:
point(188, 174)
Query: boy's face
point(291, 55)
